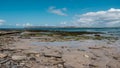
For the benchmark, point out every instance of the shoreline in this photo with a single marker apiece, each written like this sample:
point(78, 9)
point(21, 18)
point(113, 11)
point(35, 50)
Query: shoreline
point(92, 51)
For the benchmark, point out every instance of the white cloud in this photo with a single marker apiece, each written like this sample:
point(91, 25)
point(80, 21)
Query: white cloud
point(60, 12)
point(46, 24)
point(63, 23)
point(109, 18)
point(64, 9)
point(24, 25)
point(18, 25)
point(1, 21)
point(27, 24)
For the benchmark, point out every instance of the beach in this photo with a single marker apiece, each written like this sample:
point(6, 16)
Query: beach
point(27, 49)
point(59, 33)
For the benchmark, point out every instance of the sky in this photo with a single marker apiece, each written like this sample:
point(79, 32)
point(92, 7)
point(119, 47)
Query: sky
point(82, 13)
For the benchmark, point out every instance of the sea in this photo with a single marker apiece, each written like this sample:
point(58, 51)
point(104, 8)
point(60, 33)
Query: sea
point(115, 31)
point(112, 31)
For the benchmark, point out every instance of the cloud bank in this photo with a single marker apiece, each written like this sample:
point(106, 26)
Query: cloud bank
point(109, 18)
point(60, 12)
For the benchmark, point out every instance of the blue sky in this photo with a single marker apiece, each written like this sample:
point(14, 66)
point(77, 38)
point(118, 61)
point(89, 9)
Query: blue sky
point(59, 13)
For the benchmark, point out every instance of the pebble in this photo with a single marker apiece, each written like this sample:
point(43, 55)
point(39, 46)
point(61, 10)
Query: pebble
point(86, 56)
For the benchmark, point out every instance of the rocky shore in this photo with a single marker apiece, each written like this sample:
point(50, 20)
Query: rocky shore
point(16, 51)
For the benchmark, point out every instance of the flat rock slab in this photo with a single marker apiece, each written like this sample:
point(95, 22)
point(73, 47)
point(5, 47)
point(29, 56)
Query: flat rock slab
point(3, 55)
point(17, 57)
point(53, 55)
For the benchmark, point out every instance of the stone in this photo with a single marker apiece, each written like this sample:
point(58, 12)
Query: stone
point(4, 61)
point(32, 53)
point(80, 50)
point(86, 56)
point(92, 58)
point(60, 66)
point(3, 55)
point(22, 63)
point(92, 65)
point(53, 55)
point(95, 47)
point(32, 59)
point(37, 55)
point(17, 57)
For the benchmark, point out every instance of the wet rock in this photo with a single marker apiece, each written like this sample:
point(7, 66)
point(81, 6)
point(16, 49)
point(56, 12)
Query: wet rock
point(32, 59)
point(1, 44)
point(97, 35)
point(64, 47)
point(8, 49)
point(92, 58)
point(99, 47)
point(4, 61)
point(17, 57)
point(92, 65)
point(116, 56)
point(68, 66)
point(69, 50)
point(81, 50)
point(94, 47)
point(53, 55)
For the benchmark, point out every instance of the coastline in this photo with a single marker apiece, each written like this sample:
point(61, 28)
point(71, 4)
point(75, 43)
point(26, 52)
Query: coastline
point(59, 50)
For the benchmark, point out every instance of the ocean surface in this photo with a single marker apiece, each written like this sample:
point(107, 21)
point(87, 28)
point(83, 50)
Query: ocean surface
point(76, 29)
point(114, 31)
